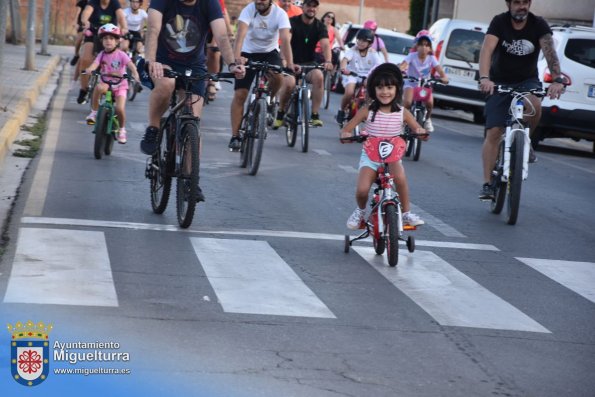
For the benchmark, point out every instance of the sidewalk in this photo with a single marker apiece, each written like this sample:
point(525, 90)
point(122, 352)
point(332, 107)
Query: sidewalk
point(19, 92)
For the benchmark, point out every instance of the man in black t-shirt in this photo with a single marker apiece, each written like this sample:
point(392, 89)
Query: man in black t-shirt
point(306, 31)
point(509, 56)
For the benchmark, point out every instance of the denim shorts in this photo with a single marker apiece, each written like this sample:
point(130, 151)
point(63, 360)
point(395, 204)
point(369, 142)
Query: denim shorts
point(364, 161)
point(497, 106)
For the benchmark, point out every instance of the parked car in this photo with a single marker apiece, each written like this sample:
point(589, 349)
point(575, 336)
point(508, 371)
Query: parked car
point(397, 44)
point(573, 115)
point(457, 44)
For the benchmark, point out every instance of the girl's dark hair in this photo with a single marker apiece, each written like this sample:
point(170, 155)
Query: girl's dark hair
point(328, 13)
point(385, 74)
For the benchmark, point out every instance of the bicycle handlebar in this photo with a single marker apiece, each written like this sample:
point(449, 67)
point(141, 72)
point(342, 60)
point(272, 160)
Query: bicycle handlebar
point(256, 65)
point(362, 137)
point(115, 79)
point(505, 89)
point(425, 81)
point(198, 77)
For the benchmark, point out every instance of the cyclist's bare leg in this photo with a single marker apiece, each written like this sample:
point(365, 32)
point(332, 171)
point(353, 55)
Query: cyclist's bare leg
point(398, 172)
point(408, 97)
point(286, 86)
point(84, 62)
point(237, 109)
point(366, 177)
point(121, 110)
point(349, 90)
point(316, 78)
point(100, 89)
point(159, 99)
point(489, 152)
point(429, 107)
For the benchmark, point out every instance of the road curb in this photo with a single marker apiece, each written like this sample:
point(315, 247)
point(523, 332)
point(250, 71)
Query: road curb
point(12, 127)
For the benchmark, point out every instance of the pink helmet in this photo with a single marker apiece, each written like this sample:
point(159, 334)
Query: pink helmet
point(111, 29)
point(423, 34)
point(370, 24)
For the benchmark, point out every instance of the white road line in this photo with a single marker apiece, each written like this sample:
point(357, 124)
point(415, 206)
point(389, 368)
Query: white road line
point(36, 199)
point(349, 169)
point(250, 277)
point(446, 294)
point(576, 276)
point(61, 267)
point(321, 152)
point(436, 223)
point(239, 232)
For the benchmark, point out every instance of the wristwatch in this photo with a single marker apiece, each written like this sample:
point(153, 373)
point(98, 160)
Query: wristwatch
point(560, 80)
point(231, 65)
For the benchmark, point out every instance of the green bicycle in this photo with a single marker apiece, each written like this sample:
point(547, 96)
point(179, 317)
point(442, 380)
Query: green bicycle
point(107, 124)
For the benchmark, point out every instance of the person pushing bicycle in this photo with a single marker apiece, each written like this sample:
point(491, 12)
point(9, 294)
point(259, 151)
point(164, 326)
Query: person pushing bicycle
point(261, 24)
point(509, 57)
point(383, 117)
point(112, 62)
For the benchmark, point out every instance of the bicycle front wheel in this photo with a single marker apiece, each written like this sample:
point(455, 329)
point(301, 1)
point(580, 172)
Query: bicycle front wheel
point(259, 132)
point(187, 184)
point(159, 173)
point(291, 125)
point(515, 178)
point(101, 132)
point(500, 187)
point(305, 123)
point(246, 145)
point(326, 98)
point(392, 235)
point(418, 141)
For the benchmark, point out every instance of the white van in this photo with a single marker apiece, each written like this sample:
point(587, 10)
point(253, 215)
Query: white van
point(457, 44)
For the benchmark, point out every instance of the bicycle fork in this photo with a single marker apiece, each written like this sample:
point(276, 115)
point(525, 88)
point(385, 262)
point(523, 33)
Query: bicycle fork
point(508, 139)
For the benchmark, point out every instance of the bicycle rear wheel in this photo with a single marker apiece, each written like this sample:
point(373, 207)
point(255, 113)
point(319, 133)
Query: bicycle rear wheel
point(101, 132)
point(515, 178)
point(305, 123)
point(326, 98)
point(259, 132)
point(392, 234)
point(131, 93)
point(159, 172)
point(500, 187)
point(417, 147)
point(187, 183)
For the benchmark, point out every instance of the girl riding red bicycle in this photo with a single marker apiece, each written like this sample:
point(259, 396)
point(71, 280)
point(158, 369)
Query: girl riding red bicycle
point(383, 118)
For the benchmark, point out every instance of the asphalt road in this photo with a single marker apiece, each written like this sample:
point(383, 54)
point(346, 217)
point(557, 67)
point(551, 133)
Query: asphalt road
point(257, 297)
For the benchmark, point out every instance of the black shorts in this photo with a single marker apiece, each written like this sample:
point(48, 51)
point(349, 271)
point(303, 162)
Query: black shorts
point(197, 87)
point(272, 57)
point(497, 106)
point(97, 46)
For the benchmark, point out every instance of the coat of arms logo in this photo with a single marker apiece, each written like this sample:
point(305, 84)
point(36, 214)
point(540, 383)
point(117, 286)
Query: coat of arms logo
point(29, 352)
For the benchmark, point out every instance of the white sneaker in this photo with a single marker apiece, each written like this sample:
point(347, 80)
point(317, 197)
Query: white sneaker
point(122, 135)
point(356, 219)
point(91, 117)
point(428, 126)
point(217, 85)
point(409, 218)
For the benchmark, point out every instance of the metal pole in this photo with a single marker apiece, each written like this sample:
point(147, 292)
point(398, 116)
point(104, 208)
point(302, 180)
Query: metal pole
point(45, 35)
point(15, 18)
point(424, 24)
point(30, 54)
point(361, 9)
point(435, 9)
point(3, 15)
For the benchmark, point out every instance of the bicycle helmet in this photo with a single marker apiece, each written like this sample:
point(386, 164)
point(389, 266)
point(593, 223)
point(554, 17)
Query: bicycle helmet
point(109, 29)
point(366, 35)
point(423, 34)
point(371, 24)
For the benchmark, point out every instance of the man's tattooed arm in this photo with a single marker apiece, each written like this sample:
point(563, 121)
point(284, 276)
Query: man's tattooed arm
point(547, 46)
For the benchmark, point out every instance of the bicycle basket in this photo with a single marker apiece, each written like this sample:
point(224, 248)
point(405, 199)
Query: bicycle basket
point(422, 94)
point(385, 150)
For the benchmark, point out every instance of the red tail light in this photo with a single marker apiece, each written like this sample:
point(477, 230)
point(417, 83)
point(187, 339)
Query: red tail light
point(554, 109)
point(438, 49)
point(548, 78)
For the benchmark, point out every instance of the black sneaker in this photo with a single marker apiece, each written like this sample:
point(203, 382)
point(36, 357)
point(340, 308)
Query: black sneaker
point(149, 143)
point(199, 195)
point(74, 60)
point(235, 143)
point(340, 116)
point(82, 98)
point(487, 192)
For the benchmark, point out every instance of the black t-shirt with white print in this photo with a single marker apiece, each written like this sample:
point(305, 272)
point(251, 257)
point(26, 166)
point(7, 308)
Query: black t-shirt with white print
point(515, 57)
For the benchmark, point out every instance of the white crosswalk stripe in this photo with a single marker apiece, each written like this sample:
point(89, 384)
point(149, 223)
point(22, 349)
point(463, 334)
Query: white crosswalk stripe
point(576, 276)
point(250, 277)
point(62, 267)
point(446, 294)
